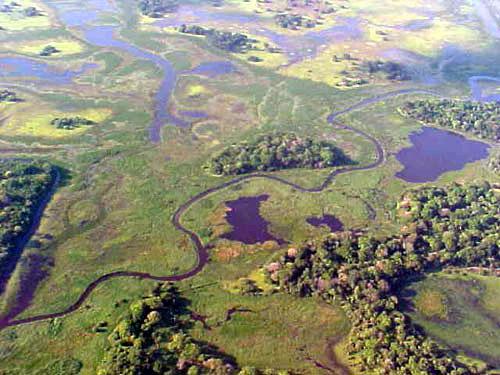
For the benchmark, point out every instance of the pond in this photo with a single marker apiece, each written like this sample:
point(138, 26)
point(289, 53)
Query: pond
point(435, 151)
point(330, 221)
point(247, 224)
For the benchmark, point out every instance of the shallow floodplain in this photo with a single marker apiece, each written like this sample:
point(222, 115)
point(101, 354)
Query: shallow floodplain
point(114, 210)
point(463, 315)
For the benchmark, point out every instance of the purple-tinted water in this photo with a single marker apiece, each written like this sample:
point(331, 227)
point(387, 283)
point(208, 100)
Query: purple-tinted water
point(435, 151)
point(194, 114)
point(247, 224)
point(104, 36)
point(330, 221)
point(477, 90)
point(84, 15)
point(25, 67)
point(195, 14)
point(213, 69)
point(299, 47)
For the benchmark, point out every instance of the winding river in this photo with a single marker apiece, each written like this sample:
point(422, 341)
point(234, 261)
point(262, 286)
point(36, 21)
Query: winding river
point(201, 250)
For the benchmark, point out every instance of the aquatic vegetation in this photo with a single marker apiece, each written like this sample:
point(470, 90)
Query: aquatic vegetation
point(480, 119)
point(275, 152)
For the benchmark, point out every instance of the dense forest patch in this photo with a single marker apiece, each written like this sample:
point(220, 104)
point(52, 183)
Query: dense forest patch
point(480, 119)
point(23, 187)
point(276, 152)
point(458, 226)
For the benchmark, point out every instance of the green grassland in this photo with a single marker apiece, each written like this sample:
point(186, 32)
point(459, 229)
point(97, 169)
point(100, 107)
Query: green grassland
point(113, 211)
point(460, 311)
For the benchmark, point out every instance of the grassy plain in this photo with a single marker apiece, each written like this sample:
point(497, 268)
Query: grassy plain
point(114, 210)
point(461, 312)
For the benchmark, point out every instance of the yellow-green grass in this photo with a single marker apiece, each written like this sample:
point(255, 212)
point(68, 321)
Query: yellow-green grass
point(34, 123)
point(429, 41)
point(195, 90)
point(431, 304)
point(16, 21)
point(279, 331)
point(65, 47)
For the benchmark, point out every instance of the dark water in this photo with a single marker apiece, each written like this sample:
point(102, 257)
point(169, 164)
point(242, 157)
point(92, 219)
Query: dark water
point(25, 67)
point(330, 221)
point(213, 69)
point(435, 152)
point(247, 224)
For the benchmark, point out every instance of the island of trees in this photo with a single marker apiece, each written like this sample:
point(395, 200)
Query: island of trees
point(275, 152)
point(157, 8)
point(48, 51)
point(393, 71)
point(480, 119)
point(225, 40)
point(294, 21)
point(458, 226)
point(70, 123)
point(8, 96)
point(153, 338)
point(23, 187)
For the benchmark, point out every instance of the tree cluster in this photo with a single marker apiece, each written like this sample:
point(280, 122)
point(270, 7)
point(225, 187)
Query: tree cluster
point(480, 119)
point(393, 70)
point(48, 51)
point(153, 338)
point(70, 123)
point(23, 186)
point(293, 21)
point(157, 8)
point(457, 226)
point(8, 96)
point(275, 152)
point(494, 162)
point(225, 40)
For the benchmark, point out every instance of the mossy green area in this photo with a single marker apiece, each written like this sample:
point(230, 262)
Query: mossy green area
point(459, 311)
point(114, 207)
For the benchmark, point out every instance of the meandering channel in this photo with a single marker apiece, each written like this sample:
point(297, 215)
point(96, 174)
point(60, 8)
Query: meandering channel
point(201, 250)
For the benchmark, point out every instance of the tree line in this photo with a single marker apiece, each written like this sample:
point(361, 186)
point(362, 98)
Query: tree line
point(23, 186)
point(480, 119)
point(157, 8)
point(153, 338)
point(456, 226)
point(275, 152)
